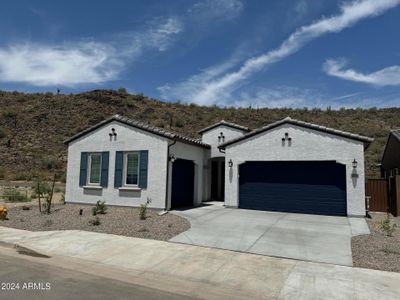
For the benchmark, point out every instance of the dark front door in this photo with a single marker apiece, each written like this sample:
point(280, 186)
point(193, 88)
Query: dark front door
point(217, 180)
point(314, 187)
point(182, 183)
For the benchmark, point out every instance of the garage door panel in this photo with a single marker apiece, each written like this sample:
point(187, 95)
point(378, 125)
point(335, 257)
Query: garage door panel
point(303, 187)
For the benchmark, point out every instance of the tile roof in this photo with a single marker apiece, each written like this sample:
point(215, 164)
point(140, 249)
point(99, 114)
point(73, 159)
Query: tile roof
point(289, 120)
point(225, 123)
point(396, 133)
point(143, 126)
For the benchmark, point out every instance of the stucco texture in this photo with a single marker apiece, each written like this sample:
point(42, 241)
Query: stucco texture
point(306, 145)
point(128, 139)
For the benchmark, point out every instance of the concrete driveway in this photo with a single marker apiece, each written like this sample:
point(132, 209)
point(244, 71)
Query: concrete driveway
point(307, 237)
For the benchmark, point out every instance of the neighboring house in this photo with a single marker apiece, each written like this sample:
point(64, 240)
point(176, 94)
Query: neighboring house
point(390, 164)
point(390, 169)
point(289, 166)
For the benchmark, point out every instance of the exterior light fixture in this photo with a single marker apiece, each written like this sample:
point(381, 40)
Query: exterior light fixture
point(172, 158)
point(354, 173)
point(230, 163)
point(355, 164)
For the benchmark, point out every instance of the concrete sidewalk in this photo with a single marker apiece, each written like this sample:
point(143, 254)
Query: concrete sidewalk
point(207, 272)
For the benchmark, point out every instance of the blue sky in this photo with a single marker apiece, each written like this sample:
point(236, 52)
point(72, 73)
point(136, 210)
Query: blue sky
point(288, 53)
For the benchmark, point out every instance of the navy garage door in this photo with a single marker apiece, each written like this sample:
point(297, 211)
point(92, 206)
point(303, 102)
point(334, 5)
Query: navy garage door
point(182, 183)
point(301, 187)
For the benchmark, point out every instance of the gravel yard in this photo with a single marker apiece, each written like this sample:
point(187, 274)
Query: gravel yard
point(376, 250)
point(117, 220)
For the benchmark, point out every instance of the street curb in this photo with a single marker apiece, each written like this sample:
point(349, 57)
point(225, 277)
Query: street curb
point(23, 250)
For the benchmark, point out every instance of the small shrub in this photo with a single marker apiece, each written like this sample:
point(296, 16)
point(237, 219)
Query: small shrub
point(63, 177)
point(139, 97)
point(143, 209)
point(62, 200)
point(128, 102)
point(122, 91)
point(3, 133)
point(40, 187)
point(179, 123)
point(9, 114)
point(95, 221)
point(100, 208)
point(15, 196)
point(2, 172)
point(48, 223)
point(51, 162)
point(387, 227)
point(21, 98)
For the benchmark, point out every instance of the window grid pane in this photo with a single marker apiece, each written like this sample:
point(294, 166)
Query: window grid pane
point(95, 168)
point(132, 168)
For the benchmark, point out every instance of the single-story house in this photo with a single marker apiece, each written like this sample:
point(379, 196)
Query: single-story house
point(390, 170)
point(289, 166)
point(390, 164)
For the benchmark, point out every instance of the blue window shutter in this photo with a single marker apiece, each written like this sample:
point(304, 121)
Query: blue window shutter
point(143, 173)
point(104, 168)
point(119, 166)
point(83, 169)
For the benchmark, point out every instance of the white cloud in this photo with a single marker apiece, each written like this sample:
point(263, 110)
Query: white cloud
point(216, 9)
point(89, 62)
point(384, 77)
point(68, 65)
point(277, 97)
point(84, 62)
point(219, 88)
point(160, 35)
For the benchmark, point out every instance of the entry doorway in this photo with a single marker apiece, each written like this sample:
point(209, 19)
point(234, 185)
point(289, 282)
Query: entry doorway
point(218, 179)
point(182, 193)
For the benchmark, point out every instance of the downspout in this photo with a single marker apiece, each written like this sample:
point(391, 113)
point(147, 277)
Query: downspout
point(221, 150)
point(167, 184)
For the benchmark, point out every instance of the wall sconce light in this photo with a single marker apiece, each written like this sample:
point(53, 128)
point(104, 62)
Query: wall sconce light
point(355, 164)
point(354, 173)
point(230, 163)
point(172, 158)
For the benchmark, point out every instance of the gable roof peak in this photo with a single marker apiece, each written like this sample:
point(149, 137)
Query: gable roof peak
point(225, 123)
point(140, 125)
point(364, 139)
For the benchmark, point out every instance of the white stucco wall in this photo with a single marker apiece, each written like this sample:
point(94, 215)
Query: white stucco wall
point(198, 156)
point(211, 137)
point(128, 139)
point(306, 145)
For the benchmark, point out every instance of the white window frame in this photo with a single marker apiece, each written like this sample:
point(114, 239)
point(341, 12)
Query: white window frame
point(125, 169)
point(89, 169)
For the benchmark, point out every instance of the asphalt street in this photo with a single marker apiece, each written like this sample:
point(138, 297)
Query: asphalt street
point(23, 279)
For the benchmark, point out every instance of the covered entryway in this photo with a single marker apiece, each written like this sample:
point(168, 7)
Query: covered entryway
point(217, 179)
point(182, 183)
point(312, 187)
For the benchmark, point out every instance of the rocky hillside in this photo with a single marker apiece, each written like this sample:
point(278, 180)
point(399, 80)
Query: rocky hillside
point(34, 126)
